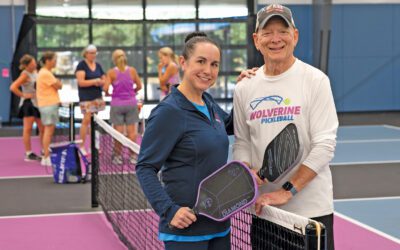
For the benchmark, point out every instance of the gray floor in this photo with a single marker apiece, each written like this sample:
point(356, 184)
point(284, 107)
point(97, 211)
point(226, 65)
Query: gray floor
point(370, 118)
point(29, 196)
point(363, 181)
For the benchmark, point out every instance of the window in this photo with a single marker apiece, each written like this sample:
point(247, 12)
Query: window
point(225, 33)
point(233, 60)
point(117, 9)
point(222, 8)
point(69, 91)
point(223, 88)
point(123, 24)
point(118, 34)
point(62, 35)
point(152, 89)
point(171, 9)
point(168, 34)
point(62, 8)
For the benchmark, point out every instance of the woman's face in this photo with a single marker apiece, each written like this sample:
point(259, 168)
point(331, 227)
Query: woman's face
point(164, 59)
point(202, 67)
point(91, 55)
point(32, 66)
point(52, 62)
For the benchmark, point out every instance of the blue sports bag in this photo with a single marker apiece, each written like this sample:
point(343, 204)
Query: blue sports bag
point(66, 164)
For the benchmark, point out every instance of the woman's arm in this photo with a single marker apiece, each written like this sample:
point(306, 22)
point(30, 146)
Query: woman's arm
point(80, 77)
point(136, 78)
point(155, 149)
point(169, 72)
point(17, 83)
point(57, 84)
point(109, 78)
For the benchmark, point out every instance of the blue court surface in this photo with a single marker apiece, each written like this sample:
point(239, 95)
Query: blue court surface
point(378, 215)
point(363, 145)
point(367, 145)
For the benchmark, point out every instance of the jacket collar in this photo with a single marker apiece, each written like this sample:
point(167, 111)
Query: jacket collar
point(183, 102)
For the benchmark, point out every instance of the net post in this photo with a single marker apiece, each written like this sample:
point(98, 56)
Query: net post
point(312, 237)
point(71, 122)
point(94, 162)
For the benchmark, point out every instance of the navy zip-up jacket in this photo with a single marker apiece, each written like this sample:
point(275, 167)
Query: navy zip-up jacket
point(189, 147)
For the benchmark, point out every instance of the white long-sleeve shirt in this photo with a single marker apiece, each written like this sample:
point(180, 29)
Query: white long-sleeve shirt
point(264, 105)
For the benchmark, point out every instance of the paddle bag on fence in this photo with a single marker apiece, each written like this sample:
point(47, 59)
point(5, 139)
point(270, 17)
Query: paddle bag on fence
point(66, 163)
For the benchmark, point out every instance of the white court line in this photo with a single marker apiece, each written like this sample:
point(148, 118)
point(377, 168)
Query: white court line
point(25, 177)
point(357, 126)
point(368, 141)
point(391, 127)
point(368, 199)
point(48, 215)
point(363, 162)
point(69, 214)
point(369, 228)
point(12, 138)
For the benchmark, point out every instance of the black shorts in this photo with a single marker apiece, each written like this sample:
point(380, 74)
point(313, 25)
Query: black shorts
point(27, 110)
point(327, 220)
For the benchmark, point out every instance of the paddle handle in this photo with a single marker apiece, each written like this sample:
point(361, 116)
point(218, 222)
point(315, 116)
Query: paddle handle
point(260, 173)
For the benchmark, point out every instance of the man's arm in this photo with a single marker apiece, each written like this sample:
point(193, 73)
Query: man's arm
point(280, 197)
point(323, 126)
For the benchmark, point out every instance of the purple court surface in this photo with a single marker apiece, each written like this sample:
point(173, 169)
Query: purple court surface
point(12, 162)
point(61, 232)
point(350, 235)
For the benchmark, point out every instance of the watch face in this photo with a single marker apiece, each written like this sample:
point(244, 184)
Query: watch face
point(287, 186)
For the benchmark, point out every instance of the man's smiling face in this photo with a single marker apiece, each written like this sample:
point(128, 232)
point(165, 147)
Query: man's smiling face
point(276, 41)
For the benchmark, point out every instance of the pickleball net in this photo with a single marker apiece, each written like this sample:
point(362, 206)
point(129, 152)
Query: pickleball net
point(65, 128)
point(116, 189)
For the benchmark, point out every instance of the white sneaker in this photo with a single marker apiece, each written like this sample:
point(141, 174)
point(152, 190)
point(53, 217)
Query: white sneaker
point(46, 162)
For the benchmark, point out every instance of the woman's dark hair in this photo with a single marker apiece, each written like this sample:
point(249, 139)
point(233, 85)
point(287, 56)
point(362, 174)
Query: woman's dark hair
point(48, 55)
point(194, 38)
point(25, 61)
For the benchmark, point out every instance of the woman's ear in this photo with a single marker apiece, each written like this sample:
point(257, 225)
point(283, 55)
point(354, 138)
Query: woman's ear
point(182, 62)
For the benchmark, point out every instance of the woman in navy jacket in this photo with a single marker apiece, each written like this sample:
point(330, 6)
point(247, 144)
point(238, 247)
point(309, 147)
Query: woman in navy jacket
point(186, 136)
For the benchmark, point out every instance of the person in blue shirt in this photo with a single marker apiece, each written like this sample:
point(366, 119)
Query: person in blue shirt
point(187, 137)
point(90, 77)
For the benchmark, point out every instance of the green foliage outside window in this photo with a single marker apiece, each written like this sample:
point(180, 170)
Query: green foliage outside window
point(65, 35)
point(115, 35)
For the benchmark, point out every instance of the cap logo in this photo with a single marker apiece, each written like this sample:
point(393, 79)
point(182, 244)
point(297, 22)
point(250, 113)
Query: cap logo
point(274, 8)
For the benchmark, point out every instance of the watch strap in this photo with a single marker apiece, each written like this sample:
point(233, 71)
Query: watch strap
point(288, 186)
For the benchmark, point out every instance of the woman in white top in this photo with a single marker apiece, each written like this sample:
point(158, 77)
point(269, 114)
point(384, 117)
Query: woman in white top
point(28, 110)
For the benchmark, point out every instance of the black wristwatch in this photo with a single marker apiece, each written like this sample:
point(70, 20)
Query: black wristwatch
point(288, 186)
